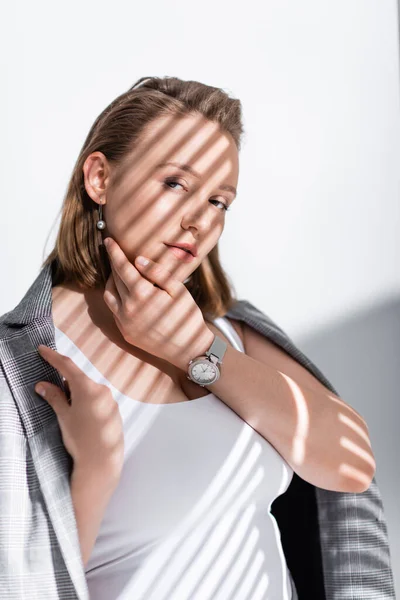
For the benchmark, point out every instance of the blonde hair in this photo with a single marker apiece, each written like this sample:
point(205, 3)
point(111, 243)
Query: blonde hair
point(77, 256)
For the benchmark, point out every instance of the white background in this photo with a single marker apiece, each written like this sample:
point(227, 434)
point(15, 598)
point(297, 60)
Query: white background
point(313, 236)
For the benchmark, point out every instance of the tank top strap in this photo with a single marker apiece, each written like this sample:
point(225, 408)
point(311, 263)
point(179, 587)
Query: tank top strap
point(226, 327)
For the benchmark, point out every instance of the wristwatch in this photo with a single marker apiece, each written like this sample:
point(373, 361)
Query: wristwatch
point(203, 369)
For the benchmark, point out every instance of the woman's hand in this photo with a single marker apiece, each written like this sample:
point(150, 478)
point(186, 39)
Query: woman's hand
point(164, 321)
point(91, 426)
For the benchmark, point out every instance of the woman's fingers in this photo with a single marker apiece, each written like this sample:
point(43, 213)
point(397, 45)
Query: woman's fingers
point(62, 363)
point(91, 427)
point(125, 270)
point(54, 396)
point(111, 296)
point(50, 392)
point(66, 367)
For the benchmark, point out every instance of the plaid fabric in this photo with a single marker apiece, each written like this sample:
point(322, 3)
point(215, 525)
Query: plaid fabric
point(336, 544)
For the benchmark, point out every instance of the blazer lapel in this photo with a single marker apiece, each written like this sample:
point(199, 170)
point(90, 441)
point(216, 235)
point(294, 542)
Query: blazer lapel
point(31, 324)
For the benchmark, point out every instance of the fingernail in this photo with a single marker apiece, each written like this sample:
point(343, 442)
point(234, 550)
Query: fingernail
point(106, 242)
point(41, 391)
point(142, 260)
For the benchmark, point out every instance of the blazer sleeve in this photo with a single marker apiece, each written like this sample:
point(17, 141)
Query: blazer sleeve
point(31, 564)
point(336, 544)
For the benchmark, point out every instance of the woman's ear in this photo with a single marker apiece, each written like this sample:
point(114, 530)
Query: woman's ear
point(96, 174)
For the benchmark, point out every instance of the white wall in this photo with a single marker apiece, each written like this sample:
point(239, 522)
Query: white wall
point(312, 238)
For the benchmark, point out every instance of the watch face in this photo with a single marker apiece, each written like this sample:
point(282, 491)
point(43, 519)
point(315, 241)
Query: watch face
point(204, 372)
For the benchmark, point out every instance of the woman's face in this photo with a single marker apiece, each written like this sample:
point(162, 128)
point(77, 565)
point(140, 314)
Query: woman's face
point(149, 204)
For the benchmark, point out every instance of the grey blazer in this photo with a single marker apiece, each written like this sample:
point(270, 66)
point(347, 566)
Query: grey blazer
point(336, 544)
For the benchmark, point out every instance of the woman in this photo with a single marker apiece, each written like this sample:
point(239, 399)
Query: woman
point(176, 424)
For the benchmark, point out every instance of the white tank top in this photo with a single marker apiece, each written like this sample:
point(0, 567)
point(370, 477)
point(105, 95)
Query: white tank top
point(190, 518)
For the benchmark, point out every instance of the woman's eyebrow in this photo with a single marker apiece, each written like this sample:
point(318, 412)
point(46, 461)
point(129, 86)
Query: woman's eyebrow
point(189, 169)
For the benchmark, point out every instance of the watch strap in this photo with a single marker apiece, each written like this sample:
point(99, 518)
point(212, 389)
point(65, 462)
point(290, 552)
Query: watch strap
point(217, 350)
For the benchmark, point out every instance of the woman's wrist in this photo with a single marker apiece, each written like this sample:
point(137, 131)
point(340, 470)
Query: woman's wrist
point(105, 479)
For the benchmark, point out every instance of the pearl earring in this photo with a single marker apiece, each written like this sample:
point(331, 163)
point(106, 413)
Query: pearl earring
point(100, 223)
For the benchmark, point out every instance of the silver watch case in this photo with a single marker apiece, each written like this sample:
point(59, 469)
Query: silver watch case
point(208, 362)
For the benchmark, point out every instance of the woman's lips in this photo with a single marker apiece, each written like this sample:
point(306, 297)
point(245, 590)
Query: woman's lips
point(182, 254)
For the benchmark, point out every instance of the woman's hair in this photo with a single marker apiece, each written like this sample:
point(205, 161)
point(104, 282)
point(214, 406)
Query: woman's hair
point(77, 255)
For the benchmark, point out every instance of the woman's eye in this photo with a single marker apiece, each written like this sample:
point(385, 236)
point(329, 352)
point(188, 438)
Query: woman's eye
point(169, 181)
point(224, 206)
point(175, 182)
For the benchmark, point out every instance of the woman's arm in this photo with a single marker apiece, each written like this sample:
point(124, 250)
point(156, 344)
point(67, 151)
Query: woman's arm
point(323, 439)
point(90, 493)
